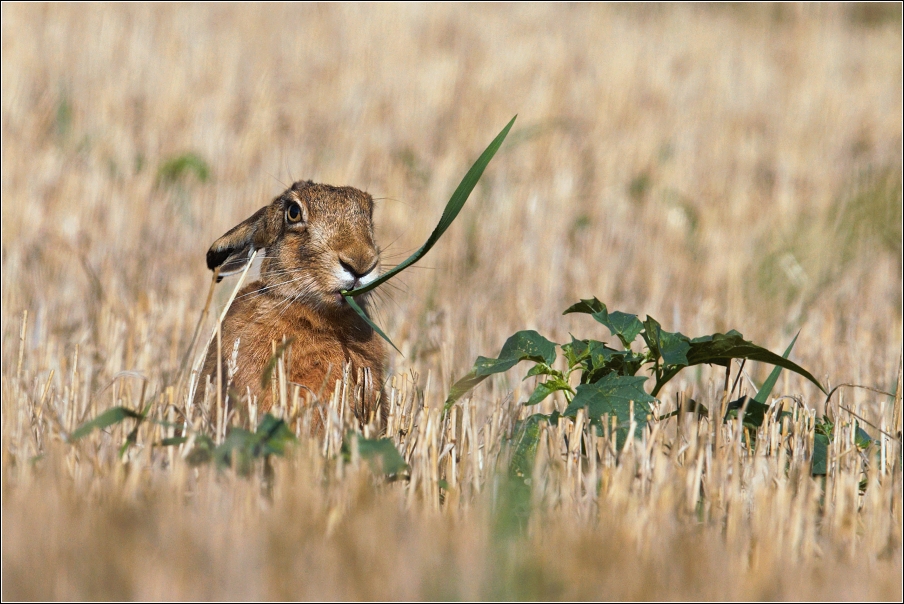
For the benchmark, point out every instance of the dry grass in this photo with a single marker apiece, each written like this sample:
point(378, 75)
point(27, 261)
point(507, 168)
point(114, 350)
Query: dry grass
point(718, 168)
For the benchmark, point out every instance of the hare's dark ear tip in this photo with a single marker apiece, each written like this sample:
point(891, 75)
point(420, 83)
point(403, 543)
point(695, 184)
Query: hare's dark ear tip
point(302, 184)
point(216, 257)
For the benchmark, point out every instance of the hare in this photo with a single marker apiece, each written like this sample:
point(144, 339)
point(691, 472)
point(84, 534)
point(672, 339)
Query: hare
point(319, 240)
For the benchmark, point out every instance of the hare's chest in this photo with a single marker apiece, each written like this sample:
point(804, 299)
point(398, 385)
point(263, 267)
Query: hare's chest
point(318, 360)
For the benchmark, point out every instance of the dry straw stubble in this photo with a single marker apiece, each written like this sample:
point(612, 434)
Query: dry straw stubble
point(678, 162)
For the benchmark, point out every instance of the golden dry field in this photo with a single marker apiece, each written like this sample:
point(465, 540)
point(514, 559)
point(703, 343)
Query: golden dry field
point(718, 167)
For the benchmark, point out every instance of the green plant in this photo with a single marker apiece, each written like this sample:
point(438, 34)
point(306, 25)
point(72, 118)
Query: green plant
point(178, 168)
point(609, 385)
point(240, 448)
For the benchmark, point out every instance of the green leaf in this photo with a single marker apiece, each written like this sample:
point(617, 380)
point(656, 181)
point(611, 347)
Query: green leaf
point(453, 207)
point(111, 416)
point(382, 455)
point(691, 406)
point(527, 437)
point(525, 345)
point(604, 361)
point(820, 460)
point(522, 346)
point(612, 395)
point(862, 438)
point(546, 388)
point(363, 315)
point(202, 451)
point(601, 355)
point(240, 441)
point(824, 425)
point(575, 351)
point(173, 442)
point(589, 306)
point(754, 411)
point(674, 348)
point(671, 347)
point(769, 384)
point(719, 349)
point(176, 169)
point(462, 387)
point(623, 325)
point(241, 447)
point(272, 437)
point(542, 369)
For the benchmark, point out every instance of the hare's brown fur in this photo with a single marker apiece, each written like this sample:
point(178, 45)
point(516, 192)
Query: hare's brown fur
point(296, 300)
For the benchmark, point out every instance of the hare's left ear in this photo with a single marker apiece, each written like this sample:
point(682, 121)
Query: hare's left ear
point(232, 251)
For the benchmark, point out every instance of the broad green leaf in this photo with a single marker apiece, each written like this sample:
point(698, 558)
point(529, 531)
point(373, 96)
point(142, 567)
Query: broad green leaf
point(671, 347)
point(769, 384)
point(820, 460)
point(111, 416)
point(601, 355)
point(546, 388)
point(527, 437)
point(382, 455)
point(523, 346)
point(613, 395)
point(605, 361)
point(589, 306)
point(542, 369)
point(719, 349)
point(674, 348)
point(651, 331)
point(623, 325)
point(575, 351)
point(704, 339)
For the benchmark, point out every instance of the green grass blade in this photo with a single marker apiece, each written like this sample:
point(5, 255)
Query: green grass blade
point(456, 202)
point(363, 315)
point(769, 384)
point(111, 416)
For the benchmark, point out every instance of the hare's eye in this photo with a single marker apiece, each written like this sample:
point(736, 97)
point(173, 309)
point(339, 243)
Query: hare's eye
point(293, 213)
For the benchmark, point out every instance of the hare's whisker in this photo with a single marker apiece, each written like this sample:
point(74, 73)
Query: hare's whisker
point(283, 271)
point(271, 286)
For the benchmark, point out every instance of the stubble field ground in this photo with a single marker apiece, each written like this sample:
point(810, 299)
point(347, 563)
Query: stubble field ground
point(715, 168)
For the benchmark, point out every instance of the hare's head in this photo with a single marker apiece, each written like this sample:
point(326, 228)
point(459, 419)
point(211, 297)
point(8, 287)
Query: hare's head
point(319, 241)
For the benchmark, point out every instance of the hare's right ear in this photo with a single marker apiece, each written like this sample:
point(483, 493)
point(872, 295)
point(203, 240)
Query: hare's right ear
point(232, 251)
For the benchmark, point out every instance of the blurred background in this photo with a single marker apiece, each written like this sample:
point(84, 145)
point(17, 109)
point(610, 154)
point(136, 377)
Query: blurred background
point(716, 167)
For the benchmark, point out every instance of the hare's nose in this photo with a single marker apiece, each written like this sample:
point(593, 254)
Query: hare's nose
point(355, 269)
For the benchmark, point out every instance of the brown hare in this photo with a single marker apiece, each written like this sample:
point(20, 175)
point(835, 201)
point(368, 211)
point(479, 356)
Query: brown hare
point(319, 240)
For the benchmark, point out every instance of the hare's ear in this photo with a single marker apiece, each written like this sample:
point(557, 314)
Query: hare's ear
point(232, 251)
